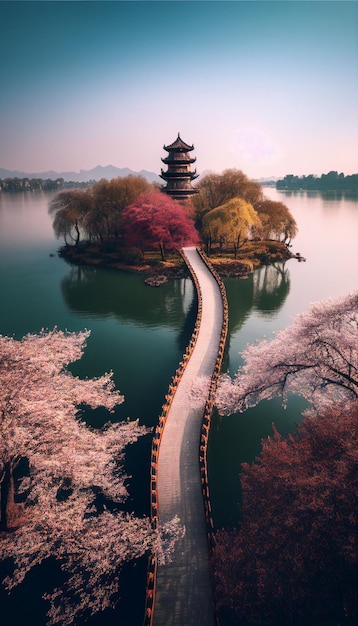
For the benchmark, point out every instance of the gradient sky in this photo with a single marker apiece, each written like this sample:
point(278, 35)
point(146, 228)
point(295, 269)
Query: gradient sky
point(269, 87)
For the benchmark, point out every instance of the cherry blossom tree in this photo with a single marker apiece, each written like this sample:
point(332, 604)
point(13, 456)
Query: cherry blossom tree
point(68, 502)
point(316, 357)
point(155, 220)
point(294, 559)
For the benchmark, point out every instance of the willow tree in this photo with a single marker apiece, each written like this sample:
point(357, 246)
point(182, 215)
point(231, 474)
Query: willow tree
point(95, 213)
point(109, 199)
point(230, 224)
point(217, 189)
point(277, 220)
point(69, 210)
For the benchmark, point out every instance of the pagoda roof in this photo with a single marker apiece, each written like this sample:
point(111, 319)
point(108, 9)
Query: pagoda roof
point(180, 194)
point(178, 144)
point(169, 160)
point(180, 175)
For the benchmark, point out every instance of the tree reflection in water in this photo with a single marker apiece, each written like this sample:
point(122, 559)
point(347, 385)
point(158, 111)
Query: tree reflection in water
point(271, 286)
point(264, 291)
point(99, 292)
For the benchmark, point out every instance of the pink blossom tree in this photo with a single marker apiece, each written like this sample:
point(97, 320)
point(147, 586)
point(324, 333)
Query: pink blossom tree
point(155, 220)
point(51, 510)
point(317, 357)
point(294, 558)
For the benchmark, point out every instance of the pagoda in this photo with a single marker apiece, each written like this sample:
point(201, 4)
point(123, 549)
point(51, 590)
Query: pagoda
point(179, 175)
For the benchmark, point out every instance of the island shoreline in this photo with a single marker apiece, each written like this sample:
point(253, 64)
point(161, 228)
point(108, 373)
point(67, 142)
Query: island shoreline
point(156, 272)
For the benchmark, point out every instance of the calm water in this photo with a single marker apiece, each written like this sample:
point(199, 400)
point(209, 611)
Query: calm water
point(137, 331)
point(141, 332)
point(265, 303)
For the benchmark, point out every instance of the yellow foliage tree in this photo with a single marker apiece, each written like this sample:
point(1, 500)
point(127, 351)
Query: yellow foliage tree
point(230, 224)
point(276, 220)
point(216, 189)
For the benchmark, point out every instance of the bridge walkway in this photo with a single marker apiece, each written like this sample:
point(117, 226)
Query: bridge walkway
point(183, 588)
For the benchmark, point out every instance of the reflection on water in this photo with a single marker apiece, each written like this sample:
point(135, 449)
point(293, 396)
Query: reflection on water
point(22, 218)
point(271, 285)
point(330, 196)
point(103, 293)
point(265, 303)
point(237, 439)
point(264, 291)
point(141, 332)
point(262, 294)
point(138, 332)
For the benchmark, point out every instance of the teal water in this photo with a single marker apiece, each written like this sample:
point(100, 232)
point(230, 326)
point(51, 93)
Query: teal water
point(138, 332)
point(141, 332)
point(266, 303)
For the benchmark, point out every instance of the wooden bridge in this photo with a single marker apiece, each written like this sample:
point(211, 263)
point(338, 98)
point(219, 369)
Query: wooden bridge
point(182, 588)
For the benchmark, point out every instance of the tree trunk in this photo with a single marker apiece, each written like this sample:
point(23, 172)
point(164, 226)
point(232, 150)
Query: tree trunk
point(208, 245)
point(77, 234)
point(6, 493)
point(161, 248)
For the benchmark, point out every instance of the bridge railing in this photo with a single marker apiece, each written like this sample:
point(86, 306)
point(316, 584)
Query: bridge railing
point(176, 378)
point(203, 447)
point(210, 404)
point(204, 436)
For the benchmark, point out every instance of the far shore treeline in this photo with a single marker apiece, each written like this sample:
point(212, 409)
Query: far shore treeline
point(332, 181)
point(327, 182)
point(40, 184)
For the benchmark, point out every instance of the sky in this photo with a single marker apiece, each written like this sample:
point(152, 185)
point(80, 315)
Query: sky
point(267, 87)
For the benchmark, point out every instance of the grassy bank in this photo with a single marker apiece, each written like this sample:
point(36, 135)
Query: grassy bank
point(253, 254)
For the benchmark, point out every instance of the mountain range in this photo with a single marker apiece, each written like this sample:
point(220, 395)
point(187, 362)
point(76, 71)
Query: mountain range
point(96, 173)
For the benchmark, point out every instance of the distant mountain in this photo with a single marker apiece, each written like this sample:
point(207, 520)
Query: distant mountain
point(96, 173)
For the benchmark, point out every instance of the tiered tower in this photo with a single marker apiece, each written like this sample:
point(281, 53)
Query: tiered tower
point(178, 175)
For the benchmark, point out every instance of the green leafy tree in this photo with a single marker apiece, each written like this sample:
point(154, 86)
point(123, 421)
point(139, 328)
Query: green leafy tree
point(326, 182)
point(230, 224)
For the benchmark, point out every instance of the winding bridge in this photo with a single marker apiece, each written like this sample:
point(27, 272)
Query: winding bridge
point(182, 593)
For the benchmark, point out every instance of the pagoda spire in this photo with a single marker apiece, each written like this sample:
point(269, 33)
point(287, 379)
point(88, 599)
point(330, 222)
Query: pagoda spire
point(179, 176)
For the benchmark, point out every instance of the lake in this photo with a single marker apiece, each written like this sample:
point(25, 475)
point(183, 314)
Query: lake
point(141, 332)
point(265, 303)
